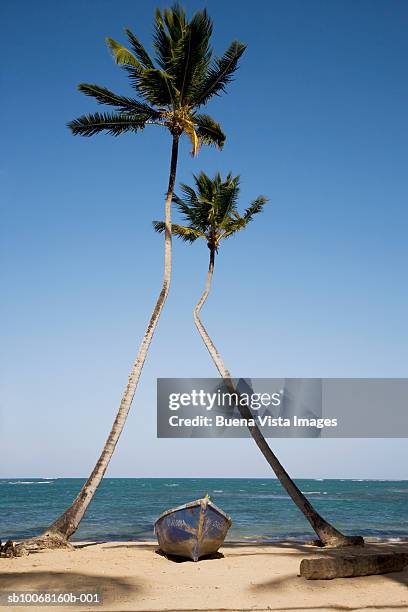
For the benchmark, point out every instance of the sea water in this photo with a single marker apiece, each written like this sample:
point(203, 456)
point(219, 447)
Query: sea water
point(126, 508)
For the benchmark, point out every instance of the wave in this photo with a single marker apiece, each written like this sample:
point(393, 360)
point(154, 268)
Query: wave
point(257, 496)
point(175, 484)
point(395, 540)
point(29, 482)
point(22, 482)
point(218, 491)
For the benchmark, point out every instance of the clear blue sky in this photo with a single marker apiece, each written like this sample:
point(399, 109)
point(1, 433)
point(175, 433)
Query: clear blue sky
point(316, 120)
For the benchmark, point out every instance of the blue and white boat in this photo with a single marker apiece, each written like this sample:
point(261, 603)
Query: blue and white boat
point(192, 530)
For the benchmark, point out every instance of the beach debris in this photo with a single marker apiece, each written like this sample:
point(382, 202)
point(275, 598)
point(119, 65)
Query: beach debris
point(25, 547)
point(193, 530)
point(7, 549)
point(327, 568)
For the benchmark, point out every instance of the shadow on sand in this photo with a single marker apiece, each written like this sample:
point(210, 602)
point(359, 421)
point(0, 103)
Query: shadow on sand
point(174, 558)
point(177, 559)
point(111, 589)
point(292, 580)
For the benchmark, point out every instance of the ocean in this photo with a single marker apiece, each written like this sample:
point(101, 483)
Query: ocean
point(126, 508)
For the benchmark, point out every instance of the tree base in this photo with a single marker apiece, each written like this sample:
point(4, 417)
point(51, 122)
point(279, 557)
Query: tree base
point(46, 541)
point(339, 542)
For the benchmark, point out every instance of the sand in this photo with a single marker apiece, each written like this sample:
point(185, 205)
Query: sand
point(132, 576)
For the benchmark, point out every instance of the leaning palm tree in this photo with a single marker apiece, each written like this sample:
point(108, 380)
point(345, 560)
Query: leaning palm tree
point(210, 211)
point(170, 91)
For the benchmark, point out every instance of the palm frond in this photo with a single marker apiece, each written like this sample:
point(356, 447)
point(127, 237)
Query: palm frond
point(209, 131)
point(188, 234)
point(123, 56)
point(175, 21)
point(162, 42)
point(255, 208)
point(225, 200)
point(231, 227)
point(192, 135)
point(193, 210)
point(193, 207)
point(190, 196)
point(191, 56)
point(235, 222)
point(159, 226)
point(221, 73)
point(114, 124)
point(139, 50)
point(157, 87)
point(205, 186)
point(182, 49)
point(122, 103)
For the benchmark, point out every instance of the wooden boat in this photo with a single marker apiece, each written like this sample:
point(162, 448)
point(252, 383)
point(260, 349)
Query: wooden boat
point(192, 530)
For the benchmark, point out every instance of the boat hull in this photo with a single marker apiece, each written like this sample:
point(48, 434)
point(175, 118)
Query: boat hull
point(193, 530)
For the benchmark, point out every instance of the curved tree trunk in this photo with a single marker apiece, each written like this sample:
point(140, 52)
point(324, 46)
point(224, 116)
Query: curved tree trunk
point(328, 535)
point(57, 534)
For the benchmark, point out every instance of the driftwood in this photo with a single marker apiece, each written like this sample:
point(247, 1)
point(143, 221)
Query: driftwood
point(35, 544)
point(326, 568)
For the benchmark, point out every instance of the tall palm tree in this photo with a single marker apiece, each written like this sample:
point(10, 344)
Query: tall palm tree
point(171, 89)
point(210, 211)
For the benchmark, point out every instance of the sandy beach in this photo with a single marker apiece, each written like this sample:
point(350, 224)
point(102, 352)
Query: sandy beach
point(133, 576)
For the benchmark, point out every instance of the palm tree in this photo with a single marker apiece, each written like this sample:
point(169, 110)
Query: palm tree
point(210, 211)
point(170, 91)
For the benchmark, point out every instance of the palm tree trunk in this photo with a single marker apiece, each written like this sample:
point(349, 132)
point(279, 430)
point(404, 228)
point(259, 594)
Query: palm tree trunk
point(328, 535)
point(65, 525)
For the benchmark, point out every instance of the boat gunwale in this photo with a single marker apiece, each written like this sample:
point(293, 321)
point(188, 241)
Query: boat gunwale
point(197, 502)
